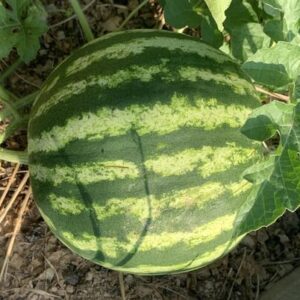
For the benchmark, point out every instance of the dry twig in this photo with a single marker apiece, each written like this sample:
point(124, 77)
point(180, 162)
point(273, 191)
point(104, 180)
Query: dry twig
point(274, 95)
point(237, 274)
point(10, 182)
point(16, 231)
point(122, 287)
point(14, 197)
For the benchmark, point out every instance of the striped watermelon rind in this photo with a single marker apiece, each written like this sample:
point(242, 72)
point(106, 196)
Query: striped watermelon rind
point(136, 155)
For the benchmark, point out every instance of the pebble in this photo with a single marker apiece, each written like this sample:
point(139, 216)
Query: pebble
point(47, 275)
point(249, 242)
point(71, 278)
point(70, 289)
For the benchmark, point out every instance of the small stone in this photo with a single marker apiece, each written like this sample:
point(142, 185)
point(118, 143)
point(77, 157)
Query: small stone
point(60, 35)
point(89, 276)
point(71, 278)
point(262, 236)
point(16, 261)
point(48, 275)
point(107, 295)
point(205, 273)
point(53, 289)
point(248, 241)
point(112, 23)
point(129, 279)
point(70, 289)
point(284, 239)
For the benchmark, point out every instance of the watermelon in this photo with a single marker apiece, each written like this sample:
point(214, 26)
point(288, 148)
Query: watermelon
point(135, 151)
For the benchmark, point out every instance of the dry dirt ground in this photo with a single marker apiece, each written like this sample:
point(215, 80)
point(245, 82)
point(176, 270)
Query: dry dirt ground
point(40, 267)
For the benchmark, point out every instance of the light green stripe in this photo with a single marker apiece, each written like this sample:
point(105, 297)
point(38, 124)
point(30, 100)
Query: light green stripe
point(239, 85)
point(206, 161)
point(205, 114)
point(111, 81)
point(138, 46)
point(210, 193)
point(85, 174)
point(66, 206)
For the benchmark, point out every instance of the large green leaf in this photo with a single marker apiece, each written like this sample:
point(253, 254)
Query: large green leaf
point(276, 30)
point(247, 34)
point(217, 9)
point(296, 94)
point(21, 25)
point(180, 13)
point(288, 14)
point(273, 7)
point(239, 13)
point(247, 38)
point(210, 33)
point(276, 66)
point(276, 180)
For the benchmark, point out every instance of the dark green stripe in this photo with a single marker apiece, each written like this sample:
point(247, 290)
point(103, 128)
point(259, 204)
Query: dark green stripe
point(135, 92)
point(125, 38)
point(107, 67)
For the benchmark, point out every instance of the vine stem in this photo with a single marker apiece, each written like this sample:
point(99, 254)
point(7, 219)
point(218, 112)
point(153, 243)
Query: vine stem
point(10, 69)
point(8, 99)
point(20, 157)
point(142, 4)
point(274, 95)
point(82, 20)
point(13, 127)
point(27, 100)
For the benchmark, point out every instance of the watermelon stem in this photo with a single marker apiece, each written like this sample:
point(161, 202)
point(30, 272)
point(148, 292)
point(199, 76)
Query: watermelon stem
point(82, 20)
point(14, 156)
point(10, 69)
point(13, 127)
point(8, 99)
point(291, 92)
point(28, 100)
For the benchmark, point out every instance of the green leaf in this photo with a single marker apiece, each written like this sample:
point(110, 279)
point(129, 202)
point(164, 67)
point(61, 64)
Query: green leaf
point(291, 15)
point(273, 7)
point(217, 9)
point(21, 25)
point(246, 39)
point(276, 186)
point(275, 67)
point(239, 13)
point(257, 173)
point(181, 13)
point(210, 33)
point(246, 33)
point(262, 124)
point(296, 93)
point(7, 42)
point(275, 29)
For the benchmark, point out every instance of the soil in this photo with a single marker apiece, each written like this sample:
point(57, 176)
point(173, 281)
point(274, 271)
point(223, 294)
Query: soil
point(42, 268)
